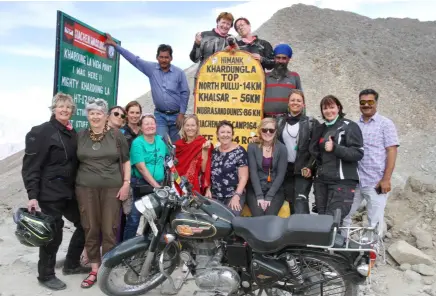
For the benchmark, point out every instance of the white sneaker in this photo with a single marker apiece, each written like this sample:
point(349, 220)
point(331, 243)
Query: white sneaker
point(185, 268)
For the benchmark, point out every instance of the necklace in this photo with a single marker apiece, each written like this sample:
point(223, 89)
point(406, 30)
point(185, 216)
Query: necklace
point(96, 138)
point(289, 133)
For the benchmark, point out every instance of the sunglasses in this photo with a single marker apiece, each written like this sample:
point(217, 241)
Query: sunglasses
point(117, 114)
point(364, 102)
point(268, 130)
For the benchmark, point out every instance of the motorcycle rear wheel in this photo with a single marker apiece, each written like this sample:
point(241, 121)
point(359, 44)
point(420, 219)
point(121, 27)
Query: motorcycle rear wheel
point(131, 284)
point(329, 268)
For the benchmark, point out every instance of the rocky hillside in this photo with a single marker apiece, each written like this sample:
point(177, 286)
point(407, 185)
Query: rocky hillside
point(341, 53)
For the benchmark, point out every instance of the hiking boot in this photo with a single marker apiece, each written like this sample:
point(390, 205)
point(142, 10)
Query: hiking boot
point(79, 269)
point(53, 284)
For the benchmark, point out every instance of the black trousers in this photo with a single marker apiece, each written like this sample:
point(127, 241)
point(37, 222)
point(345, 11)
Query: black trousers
point(47, 254)
point(274, 207)
point(297, 189)
point(329, 197)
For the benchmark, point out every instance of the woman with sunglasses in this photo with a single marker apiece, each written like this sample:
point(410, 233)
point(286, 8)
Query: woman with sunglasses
point(267, 162)
point(193, 153)
point(116, 117)
point(337, 146)
point(295, 131)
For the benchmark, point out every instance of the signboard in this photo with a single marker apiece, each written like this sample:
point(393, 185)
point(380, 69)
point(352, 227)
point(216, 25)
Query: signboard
point(230, 86)
point(84, 67)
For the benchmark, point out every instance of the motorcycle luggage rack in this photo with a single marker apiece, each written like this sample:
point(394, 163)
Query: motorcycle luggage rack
point(366, 238)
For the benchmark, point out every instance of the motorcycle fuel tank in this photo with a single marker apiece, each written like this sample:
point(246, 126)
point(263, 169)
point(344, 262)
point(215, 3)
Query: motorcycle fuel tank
point(196, 224)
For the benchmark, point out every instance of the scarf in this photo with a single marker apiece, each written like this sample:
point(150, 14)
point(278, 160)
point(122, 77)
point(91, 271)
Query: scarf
point(329, 123)
point(249, 40)
point(185, 154)
point(291, 120)
point(220, 33)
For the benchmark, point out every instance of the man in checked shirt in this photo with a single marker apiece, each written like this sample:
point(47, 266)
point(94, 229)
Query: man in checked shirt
point(380, 143)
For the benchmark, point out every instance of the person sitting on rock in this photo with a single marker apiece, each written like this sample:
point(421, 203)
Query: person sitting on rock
point(380, 142)
point(260, 49)
point(279, 83)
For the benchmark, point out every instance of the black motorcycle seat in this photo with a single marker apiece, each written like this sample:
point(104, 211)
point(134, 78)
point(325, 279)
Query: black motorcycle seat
point(267, 234)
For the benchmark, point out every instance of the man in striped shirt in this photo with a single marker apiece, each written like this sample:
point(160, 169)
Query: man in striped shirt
point(380, 142)
point(279, 83)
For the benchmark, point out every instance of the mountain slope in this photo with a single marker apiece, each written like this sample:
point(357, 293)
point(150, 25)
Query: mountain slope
point(341, 53)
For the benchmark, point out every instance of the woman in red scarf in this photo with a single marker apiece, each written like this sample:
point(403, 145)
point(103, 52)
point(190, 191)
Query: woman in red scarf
point(193, 153)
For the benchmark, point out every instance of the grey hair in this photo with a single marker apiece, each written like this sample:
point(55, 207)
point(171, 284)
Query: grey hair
point(96, 104)
point(61, 97)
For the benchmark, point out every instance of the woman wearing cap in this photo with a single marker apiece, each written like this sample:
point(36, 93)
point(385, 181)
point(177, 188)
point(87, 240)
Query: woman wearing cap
point(209, 42)
point(260, 49)
point(267, 162)
point(116, 117)
point(102, 183)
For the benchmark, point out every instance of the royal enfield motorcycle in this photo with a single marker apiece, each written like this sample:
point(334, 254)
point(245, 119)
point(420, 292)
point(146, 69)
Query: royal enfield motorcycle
point(301, 255)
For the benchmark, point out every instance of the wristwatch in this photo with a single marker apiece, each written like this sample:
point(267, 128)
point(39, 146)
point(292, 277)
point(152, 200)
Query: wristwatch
point(128, 181)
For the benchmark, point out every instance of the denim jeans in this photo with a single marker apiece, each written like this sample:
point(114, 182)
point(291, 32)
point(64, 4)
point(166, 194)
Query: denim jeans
point(166, 124)
point(132, 221)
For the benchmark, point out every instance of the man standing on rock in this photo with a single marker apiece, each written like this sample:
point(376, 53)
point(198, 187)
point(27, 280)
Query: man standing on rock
point(377, 165)
point(279, 83)
point(169, 88)
point(260, 49)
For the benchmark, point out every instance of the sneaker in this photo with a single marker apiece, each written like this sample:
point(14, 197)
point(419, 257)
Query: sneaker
point(185, 268)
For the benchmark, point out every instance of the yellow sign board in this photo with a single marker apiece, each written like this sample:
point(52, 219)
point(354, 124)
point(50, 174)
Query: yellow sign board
point(230, 86)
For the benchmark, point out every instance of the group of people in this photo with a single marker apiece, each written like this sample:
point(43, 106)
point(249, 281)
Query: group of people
point(88, 176)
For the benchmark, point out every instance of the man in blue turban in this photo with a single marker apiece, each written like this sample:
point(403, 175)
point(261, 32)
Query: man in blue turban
point(279, 82)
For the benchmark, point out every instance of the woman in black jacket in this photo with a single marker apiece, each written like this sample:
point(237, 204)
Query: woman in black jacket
point(295, 130)
point(209, 42)
point(260, 49)
point(337, 146)
point(49, 173)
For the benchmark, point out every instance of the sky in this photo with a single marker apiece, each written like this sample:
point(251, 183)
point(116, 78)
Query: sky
point(27, 47)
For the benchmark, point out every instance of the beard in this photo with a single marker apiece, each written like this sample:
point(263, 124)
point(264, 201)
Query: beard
point(281, 70)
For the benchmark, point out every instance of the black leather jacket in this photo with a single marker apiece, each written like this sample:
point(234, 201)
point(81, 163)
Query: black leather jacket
point(261, 47)
point(50, 162)
point(307, 126)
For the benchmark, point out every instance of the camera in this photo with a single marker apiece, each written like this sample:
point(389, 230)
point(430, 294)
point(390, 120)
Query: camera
point(231, 40)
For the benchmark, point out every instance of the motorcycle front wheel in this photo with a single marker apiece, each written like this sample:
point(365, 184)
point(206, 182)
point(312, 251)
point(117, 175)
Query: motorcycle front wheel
point(124, 279)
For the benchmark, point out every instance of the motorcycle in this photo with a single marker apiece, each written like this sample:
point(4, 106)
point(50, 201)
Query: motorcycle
point(301, 255)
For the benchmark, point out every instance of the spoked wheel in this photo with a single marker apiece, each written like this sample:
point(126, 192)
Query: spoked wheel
point(125, 279)
point(322, 277)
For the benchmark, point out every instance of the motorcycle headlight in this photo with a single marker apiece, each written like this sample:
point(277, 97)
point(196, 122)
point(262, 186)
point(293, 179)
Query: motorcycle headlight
point(148, 206)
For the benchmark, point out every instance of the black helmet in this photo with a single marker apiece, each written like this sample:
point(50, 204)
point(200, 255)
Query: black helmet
point(34, 229)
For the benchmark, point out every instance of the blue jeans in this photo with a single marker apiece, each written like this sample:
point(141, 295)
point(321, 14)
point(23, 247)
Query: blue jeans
point(166, 124)
point(133, 218)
